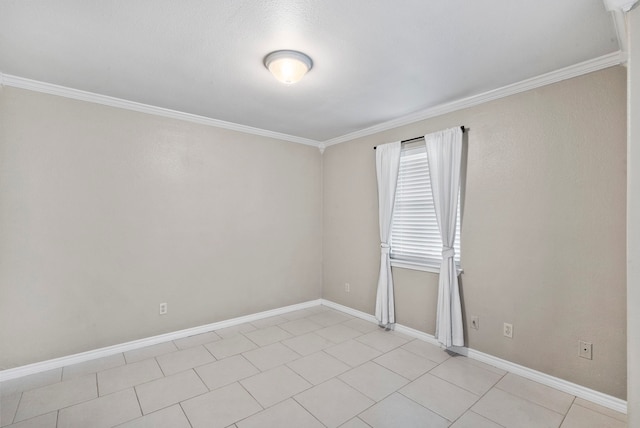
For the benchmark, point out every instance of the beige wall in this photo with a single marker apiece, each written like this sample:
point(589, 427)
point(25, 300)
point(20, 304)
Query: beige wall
point(543, 234)
point(105, 213)
point(633, 222)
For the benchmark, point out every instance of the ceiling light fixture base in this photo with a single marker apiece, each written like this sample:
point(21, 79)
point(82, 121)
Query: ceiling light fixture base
point(288, 66)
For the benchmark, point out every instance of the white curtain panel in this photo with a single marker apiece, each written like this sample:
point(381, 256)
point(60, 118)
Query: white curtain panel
point(444, 154)
point(387, 165)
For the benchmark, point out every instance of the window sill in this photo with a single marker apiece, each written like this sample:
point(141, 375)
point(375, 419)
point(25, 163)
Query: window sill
point(414, 266)
point(419, 266)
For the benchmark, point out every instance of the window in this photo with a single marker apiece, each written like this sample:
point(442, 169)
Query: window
point(415, 239)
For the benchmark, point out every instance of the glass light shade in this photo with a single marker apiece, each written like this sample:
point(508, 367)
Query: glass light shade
point(288, 66)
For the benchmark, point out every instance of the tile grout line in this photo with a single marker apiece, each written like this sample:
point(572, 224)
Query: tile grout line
point(185, 413)
point(135, 391)
point(355, 389)
point(483, 417)
point(193, 368)
point(95, 376)
point(478, 400)
point(13, 419)
point(159, 366)
point(293, 397)
point(465, 389)
point(594, 410)
point(59, 409)
point(568, 410)
point(392, 371)
point(252, 396)
point(450, 383)
point(200, 377)
point(208, 350)
point(539, 404)
point(336, 377)
point(421, 356)
point(528, 401)
point(312, 415)
point(172, 404)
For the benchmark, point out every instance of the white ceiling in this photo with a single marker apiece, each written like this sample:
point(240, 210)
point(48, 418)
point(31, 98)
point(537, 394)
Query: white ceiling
point(374, 60)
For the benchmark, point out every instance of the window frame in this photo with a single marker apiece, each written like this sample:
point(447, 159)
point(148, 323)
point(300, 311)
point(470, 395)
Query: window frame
point(428, 264)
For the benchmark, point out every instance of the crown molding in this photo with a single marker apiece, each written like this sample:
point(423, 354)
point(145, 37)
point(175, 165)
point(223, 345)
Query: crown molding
point(605, 61)
point(618, 8)
point(622, 5)
point(620, 24)
point(76, 94)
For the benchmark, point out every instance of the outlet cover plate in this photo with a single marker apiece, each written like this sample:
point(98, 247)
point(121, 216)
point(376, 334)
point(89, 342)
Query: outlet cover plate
point(586, 350)
point(475, 322)
point(508, 330)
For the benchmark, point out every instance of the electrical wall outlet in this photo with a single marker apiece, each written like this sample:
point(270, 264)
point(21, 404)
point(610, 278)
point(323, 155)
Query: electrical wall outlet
point(475, 322)
point(163, 308)
point(347, 287)
point(508, 330)
point(586, 350)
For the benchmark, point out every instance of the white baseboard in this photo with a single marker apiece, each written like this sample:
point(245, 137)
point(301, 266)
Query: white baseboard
point(534, 375)
point(349, 311)
point(560, 384)
point(141, 343)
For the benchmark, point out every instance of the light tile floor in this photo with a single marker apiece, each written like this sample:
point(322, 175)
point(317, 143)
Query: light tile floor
point(311, 368)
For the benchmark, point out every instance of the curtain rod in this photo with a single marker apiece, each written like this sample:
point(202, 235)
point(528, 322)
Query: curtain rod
point(415, 139)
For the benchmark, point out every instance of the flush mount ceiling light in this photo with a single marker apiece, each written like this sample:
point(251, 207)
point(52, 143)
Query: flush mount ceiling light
point(288, 66)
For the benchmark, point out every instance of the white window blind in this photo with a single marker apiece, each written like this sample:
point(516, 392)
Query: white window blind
point(415, 238)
